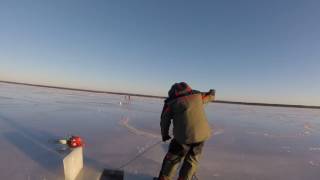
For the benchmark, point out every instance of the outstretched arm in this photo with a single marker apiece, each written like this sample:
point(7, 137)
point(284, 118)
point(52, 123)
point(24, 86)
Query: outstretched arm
point(208, 96)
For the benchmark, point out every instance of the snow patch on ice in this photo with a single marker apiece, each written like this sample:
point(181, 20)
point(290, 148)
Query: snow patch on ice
point(314, 149)
point(313, 163)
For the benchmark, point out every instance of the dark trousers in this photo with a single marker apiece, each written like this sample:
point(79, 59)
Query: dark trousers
point(177, 152)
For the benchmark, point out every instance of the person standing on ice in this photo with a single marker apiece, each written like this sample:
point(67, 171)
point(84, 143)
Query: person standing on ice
point(185, 108)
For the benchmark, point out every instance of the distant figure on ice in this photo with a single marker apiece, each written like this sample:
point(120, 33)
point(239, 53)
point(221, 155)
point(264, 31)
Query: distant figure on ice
point(127, 100)
point(185, 107)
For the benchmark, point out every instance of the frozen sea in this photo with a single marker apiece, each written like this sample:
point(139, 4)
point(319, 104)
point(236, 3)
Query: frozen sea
point(249, 142)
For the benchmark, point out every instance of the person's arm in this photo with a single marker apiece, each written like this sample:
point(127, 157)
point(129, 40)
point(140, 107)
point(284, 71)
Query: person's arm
point(165, 122)
point(209, 96)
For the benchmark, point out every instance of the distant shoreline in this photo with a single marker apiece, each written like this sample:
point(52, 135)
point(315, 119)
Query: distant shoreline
point(162, 97)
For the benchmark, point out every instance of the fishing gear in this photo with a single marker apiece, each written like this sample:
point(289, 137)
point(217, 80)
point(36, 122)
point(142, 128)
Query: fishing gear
point(72, 141)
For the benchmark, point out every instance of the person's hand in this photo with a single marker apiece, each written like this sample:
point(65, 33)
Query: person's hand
point(166, 138)
point(212, 92)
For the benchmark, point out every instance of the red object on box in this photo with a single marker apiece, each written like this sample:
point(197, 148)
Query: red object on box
point(75, 141)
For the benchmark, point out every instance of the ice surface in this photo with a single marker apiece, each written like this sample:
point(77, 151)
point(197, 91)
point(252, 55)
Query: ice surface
point(249, 142)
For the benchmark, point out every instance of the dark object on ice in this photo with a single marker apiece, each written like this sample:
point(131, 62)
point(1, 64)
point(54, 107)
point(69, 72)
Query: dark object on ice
point(110, 174)
point(193, 178)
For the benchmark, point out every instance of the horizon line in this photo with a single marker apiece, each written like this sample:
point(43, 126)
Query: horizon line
point(163, 97)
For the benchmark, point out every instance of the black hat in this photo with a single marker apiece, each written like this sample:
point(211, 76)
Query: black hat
point(179, 89)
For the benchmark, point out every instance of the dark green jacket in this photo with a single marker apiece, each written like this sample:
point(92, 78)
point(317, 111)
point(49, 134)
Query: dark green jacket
point(190, 124)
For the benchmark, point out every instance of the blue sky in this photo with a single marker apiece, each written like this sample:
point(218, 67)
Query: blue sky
point(264, 51)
